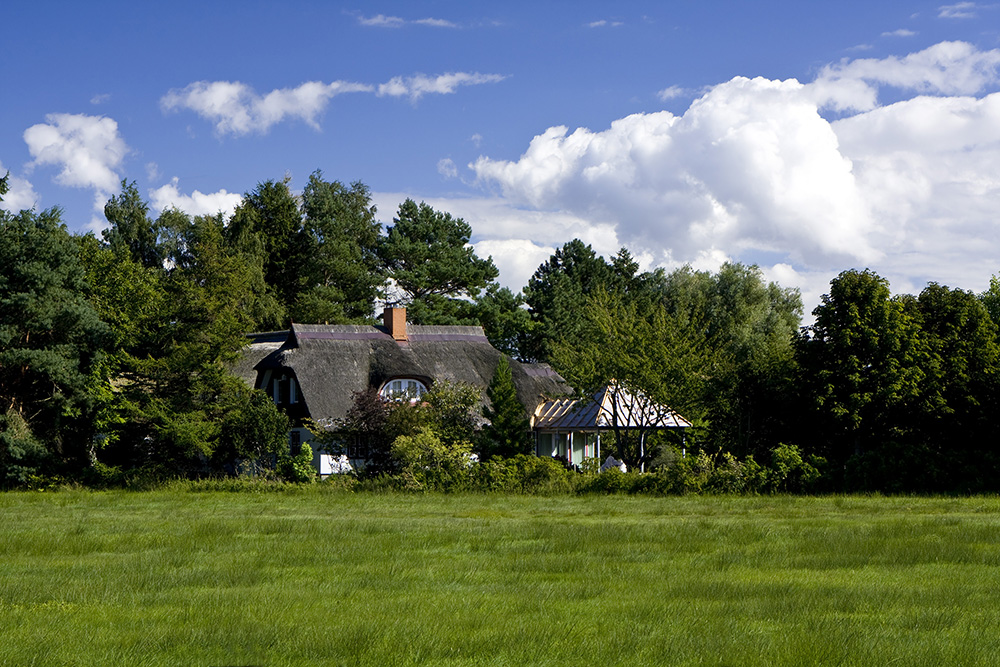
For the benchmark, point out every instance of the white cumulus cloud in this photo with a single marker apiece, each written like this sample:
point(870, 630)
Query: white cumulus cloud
point(419, 85)
point(753, 171)
point(87, 149)
point(196, 203)
point(750, 165)
point(950, 68)
point(20, 193)
point(238, 109)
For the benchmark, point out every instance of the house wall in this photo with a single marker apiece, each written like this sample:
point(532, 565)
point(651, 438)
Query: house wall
point(324, 462)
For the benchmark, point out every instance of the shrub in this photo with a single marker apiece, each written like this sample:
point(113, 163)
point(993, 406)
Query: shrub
point(790, 473)
point(297, 468)
point(731, 475)
point(524, 473)
point(690, 474)
point(22, 456)
point(428, 463)
point(497, 475)
point(610, 481)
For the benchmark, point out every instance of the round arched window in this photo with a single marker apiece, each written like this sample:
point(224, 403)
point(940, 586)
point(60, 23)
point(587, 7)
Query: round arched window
point(402, 389)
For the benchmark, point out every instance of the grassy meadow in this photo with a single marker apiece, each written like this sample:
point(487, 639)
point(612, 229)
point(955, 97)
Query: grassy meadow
point(314, 577)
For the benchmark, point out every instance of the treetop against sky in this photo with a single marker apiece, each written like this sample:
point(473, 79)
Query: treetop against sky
point(805, 137)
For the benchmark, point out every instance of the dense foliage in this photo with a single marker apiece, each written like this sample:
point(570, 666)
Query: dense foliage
point(115, 355)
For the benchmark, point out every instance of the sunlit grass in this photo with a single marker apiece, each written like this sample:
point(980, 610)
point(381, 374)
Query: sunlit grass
point(311, 577)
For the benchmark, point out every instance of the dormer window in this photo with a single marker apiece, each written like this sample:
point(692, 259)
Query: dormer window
point(284, 390)
point(402, 389)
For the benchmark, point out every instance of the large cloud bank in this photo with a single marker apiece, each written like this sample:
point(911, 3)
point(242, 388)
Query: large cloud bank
point(805, 178)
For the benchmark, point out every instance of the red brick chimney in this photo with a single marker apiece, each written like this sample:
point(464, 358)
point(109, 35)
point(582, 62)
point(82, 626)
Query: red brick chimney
point(394, 319)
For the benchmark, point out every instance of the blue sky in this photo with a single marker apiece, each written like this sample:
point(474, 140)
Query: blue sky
point(806, 137)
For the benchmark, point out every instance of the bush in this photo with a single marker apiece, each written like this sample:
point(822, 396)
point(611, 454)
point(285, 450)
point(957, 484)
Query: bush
point(734, 476)
point(297, 468)
point(610, 481)
point(789, 473)
point(430, 464)
point(524, 473)
point(22, 456)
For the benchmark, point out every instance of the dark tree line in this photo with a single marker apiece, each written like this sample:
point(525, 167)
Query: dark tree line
point(115, 351)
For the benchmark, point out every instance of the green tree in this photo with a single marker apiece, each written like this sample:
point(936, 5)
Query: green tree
point(960, 391)
point(862, 364)
point(508, 431)
point(252, 428)
point(51, 346)
point(507, 324)
point(262, 307)
point(268, 226)
point(427, 255)
point(132, 231)
point(753, 325)
point(991, 299)
point(179, 331)
point(658, 358)
point(340, 268)
point(557, 296)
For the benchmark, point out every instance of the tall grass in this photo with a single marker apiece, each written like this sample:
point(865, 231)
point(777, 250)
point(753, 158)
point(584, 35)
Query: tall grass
point(304, 577)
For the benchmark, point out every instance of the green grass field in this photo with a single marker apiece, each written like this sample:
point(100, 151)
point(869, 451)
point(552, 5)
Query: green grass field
point(309, 577)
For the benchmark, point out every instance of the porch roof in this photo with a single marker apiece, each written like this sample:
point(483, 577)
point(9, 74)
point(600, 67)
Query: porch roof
point(599, 412)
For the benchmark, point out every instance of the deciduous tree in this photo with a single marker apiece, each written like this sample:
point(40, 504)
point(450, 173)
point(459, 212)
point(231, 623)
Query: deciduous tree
point(644, 350)
point(862, 364)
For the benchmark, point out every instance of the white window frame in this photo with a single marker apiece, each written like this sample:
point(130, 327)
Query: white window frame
point(402, 389)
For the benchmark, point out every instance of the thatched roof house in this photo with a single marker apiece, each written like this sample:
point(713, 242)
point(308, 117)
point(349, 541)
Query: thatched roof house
point(313, 370)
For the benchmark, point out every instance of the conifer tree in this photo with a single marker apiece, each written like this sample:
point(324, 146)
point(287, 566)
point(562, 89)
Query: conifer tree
point(508, 432)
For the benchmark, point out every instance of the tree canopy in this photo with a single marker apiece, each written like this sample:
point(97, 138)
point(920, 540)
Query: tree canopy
point(116, 350)
point(52, 344)
point(340, 266)
point(427, 256)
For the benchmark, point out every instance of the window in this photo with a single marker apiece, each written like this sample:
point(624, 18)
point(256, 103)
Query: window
point(285, 391)
point(402, 389)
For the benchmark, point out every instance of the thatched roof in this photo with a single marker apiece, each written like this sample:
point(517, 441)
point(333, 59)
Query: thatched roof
point(332, 362)
point(610, 404)
point(260, 346)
